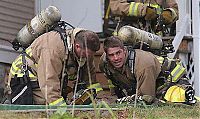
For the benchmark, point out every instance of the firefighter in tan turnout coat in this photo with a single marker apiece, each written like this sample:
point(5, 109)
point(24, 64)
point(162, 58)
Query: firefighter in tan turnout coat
point(45, 58)
point(148, 15)
point(134, 71)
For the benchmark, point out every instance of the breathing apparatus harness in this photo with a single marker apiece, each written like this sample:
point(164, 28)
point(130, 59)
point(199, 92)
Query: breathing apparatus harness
point(121, 89)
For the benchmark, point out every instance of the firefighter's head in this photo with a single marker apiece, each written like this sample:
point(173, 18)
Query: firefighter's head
point(86, 43)
point(115, 51)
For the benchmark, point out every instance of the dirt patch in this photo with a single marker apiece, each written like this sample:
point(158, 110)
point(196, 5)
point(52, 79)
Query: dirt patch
point(106, 96)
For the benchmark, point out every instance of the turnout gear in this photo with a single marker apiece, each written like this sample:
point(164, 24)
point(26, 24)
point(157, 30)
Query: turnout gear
point(159, 77)
point(37, 26)
point(150, 13)
point(144, 71)
point(138, 8)
point(48, 54)
point(142, 14)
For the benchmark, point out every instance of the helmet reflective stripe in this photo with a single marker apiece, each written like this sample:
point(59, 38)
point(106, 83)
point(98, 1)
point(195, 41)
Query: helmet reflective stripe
point(133, 9)
point(96, 86)
point(58, 102)
point(175, 94)
point(177, 73)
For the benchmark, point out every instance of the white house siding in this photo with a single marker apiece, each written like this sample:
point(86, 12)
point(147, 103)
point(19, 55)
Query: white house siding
point(14, 14)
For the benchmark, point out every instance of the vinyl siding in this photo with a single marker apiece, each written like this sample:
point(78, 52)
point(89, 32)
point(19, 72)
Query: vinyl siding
point(14, 14)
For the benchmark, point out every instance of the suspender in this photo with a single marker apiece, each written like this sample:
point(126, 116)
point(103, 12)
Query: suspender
point(130, 62)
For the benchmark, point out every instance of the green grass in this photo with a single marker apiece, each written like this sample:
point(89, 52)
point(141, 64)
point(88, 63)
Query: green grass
point(128, 112)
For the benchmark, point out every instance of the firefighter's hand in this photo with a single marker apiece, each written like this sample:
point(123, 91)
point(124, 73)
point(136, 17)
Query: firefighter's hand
point(150, 13)
point(167, 17)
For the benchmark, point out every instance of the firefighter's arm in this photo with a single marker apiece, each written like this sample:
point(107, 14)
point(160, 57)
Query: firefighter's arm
point(50, 60)
point(49, 68)
point(124, 8)
point(170, 13)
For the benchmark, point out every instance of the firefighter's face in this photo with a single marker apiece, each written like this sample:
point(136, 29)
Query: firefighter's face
point(83, 52)
point(116, 56)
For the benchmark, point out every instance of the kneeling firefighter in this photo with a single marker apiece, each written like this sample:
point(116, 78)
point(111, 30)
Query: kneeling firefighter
point(41, 72)
point(171, 84)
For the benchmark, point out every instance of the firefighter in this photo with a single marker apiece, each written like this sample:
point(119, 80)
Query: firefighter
point(46, 58)
point(143, 69)
point(151, 77)
point(149, 15)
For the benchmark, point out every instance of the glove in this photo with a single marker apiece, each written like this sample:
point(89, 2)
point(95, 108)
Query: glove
point(167, 17)
point(150, 13)
point(126, 100)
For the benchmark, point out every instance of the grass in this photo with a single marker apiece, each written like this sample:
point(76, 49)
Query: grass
point(129, 112)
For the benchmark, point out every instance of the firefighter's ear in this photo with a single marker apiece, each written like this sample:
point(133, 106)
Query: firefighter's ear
point(77, 46)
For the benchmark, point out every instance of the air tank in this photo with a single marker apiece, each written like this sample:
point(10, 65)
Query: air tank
point(132, 35)
point(38, 25)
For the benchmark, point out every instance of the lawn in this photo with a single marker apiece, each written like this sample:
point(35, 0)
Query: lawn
point(169, 111)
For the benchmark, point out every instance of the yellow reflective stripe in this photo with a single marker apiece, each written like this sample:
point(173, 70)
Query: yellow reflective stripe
point(177, 72)
point(29, 52)
point(96, 86)
point(110, 85)
point(58, 102)
point(20, 75)
point(133, 9)
point(31, 75)
point(114, 33)
point(71, 77)
point(16, 68)
point(160, 59)
point(17, 61)
point(12, 71)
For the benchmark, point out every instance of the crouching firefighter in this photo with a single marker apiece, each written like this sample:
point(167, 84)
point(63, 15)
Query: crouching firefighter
point(153, 77)
point(49, 62)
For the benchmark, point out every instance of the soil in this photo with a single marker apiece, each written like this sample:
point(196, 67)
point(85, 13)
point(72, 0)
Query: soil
point(107, 96)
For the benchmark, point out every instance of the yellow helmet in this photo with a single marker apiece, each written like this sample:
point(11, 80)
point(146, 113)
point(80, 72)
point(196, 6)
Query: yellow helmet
point(175, 94)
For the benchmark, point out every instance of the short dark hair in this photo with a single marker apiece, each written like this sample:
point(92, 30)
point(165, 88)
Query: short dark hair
point(112, 42)
point(88, 39)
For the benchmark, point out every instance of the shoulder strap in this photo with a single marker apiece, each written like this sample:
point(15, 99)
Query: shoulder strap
point(131, 64)
point(131, 58)
point(64, 76)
